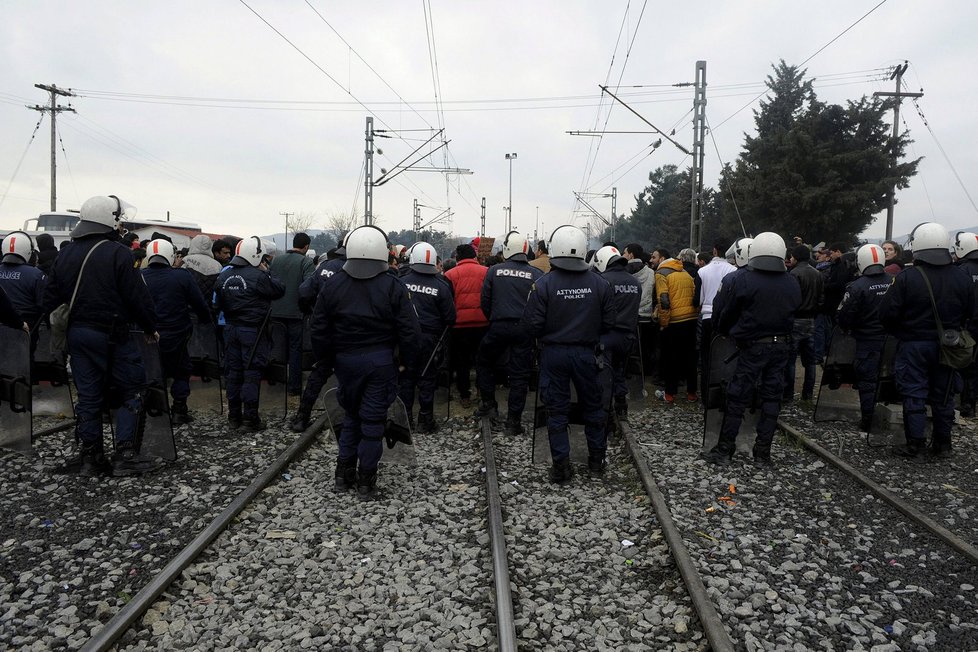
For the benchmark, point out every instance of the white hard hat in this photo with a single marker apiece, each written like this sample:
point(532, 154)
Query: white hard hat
point(766, 252)
point(966, 244)
point(870, 259)
point(929, 243)
point(605, 256)
point(738, 251)
point(160, 251)
point(366, 252)
point(17, 247)
point(102, 214)
point(423, 258)
point(249, 251)
point(568, 246)
point(515, 243)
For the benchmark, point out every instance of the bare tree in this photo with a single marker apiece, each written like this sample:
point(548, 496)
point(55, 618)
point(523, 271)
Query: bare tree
point(338, 222)
point(301, 221)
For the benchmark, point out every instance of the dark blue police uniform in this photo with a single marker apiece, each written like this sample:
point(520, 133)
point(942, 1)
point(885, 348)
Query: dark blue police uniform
point(922, 380)
point(24, 285)
point(756, 309)
point(431, 296)
point(174, 293)
point(356, 325)
point(858, 315)
point(568, 312)
point(969, 392)
point(619, 341)
point(503, 299)
point(245, 293)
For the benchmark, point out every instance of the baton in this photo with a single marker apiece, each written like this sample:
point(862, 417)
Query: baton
point(434, 351)
point(261, 329)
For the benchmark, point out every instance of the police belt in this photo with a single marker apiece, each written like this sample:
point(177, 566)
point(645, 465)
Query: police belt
point(770, 339)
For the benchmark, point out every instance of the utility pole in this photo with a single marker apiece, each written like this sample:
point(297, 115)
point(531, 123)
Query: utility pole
point(368, 181)
point(898, 96)
point(536, 228)
point(614, 213)
point(287, 216)
point(696, 171)
point(509, 210)
point(54, 109)
point(417, 220)
point(482, 229)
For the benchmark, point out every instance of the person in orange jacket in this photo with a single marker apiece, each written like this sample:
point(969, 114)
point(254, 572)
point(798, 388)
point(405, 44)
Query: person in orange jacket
point(674, 291)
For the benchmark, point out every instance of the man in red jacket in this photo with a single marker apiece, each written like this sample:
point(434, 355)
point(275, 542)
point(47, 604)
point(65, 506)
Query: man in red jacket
point(470, 324)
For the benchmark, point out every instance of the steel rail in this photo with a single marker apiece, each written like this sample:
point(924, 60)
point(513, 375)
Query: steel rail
point(104, 638)
point(716, 633)
point(61, 427)
point(884, 494)
point(505, 621)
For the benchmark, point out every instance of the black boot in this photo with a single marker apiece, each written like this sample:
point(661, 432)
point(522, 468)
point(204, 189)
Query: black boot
point(939, 450)
point(718, 455)
point(346, 474)
point(513, 427)
point(127, 461)
point(912, 449)
point(300, 423)
point(487, 409)
point(762, 456)
point(234, 417)
point(561, 472)
point(596, 462)
point(92, 461)
point(252, 422)
point(179, 413)
point(621, 408)
point(866, 422)
point(967, 410)
point(426, 422)
point(366, 485)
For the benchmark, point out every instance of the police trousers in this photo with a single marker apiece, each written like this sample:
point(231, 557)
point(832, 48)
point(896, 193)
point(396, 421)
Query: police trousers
point(246, 352)
point(503, 336)
point(411, 378)
point(869, 354)
point(560, 366)
point(617, 349)
point(759, 365)
point(175, 360)
point(922, 380)
point(366, 388)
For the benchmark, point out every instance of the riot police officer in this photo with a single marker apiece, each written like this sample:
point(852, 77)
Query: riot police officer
point(619, 341)
point(503, 298)
point(568, 311)
point(244, 291)
point(361, 315)
point(966, 251)
point(95, 276)
point(9, 316)
point(738, 253)
point(858, 314)
point(758, 311)
point(308, 293)
point(431, 296)
point(908, 313)
point(23, 283)
point(174, 290)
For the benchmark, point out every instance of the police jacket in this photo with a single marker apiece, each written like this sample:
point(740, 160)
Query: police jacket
point(859, 311)
point(906, 311)
point(837, 277)
point(674, 289)
point(812, 293)
point(245, 294)
point(112, 293)
point(506, 287)
point(756, 305)
point(432, 297)
point(363, 315)
point(24, 286)
point(311, 287)
point(466, 279)
point(627, 296)
point(569, 308)
point(970, 267)
point(173, 292)
point(8, 313)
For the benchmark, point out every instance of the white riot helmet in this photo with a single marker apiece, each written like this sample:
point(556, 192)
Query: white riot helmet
point(568, 246)
point(605, 256)
point(17, 248)
point(870, 259)
point(102, 215)
point(160, 251)
point(766, 253)
point(965, 245)
point(738, 251)
point(366, 252)
point(423, 258)
point(514, 244)
point(249, 251)
point(929, 243)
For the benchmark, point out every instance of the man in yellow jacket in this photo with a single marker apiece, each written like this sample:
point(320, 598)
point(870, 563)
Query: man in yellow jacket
point(674, 290)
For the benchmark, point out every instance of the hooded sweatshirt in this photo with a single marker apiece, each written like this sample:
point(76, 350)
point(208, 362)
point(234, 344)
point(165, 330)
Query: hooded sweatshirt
point(200, 262)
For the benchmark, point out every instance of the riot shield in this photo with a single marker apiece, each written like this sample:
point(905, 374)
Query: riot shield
point(51, 388)
point(638, 389)
point(887, 428)
point(838, 398)
point(540, 452)
point(886, 391)
point(308, 358)
point(397, 432)
point(206, 375)
point(157, 435)
point(273, 399)
point(15, 390)
point(723, 364)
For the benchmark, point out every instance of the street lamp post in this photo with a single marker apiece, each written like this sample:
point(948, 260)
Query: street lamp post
point(509, 212)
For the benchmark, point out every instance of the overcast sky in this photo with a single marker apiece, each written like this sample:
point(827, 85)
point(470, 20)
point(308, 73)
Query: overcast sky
point(513, 77)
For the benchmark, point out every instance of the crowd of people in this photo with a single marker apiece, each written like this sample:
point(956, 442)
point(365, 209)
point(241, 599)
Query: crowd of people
point(382, 318)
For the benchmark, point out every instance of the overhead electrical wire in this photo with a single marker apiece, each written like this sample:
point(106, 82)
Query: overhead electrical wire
point(68, 165)
point(20, 161)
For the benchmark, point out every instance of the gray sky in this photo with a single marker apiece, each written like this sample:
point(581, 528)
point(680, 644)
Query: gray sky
point(514, 77)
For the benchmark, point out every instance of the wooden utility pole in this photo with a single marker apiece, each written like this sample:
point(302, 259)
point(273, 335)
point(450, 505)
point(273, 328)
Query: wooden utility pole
point(54, 109)
point(898, 96)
